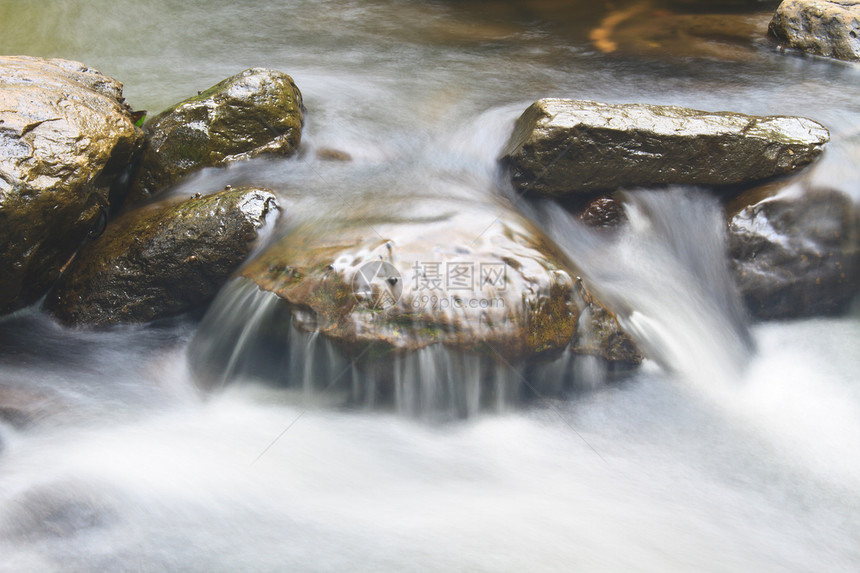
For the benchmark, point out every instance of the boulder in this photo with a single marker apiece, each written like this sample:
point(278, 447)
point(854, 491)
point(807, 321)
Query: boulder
point(65, 136)
point(824, 27)
point(254, 113)
point(162, 259)
point(795, 252)
point(568, 147)
point(470, 276)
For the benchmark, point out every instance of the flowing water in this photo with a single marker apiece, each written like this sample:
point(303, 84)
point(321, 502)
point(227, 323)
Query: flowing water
point(733, 448)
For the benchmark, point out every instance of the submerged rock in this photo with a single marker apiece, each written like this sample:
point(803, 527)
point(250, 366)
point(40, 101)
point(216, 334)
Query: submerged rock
point(472, 277)
point(254, 113)
point(796, 253)
point(162, 259)
point(65, 136)
point(644, 28)
point(561, 147)
point(824, 27)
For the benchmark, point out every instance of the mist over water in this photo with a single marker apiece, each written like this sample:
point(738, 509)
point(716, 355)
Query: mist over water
point(733, 448)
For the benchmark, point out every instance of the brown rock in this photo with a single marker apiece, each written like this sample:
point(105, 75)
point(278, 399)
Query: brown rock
point(65, 135)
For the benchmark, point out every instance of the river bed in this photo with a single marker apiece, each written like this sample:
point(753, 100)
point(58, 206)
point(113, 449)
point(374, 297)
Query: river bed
point(113, 460)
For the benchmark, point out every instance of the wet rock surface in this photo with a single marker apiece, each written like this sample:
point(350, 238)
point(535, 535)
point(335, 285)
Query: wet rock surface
point(824, 27)
point(254, 113)
point(162, 259)
point(65, 136)
point(795, 254)
point(603, 213)
point(472, 277)
point(566, 147)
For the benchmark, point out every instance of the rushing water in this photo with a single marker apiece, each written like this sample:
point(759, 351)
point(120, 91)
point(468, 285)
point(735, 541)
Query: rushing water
point(734, 447)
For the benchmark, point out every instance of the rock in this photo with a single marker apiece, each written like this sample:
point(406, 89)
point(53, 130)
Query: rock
point(65, 136)
point(161, 260)
point(328, 154)
point(824, 27)
point(254, 113)
point(644, 28)
point(795, 253)
point(603, 213)
point(563, 147)
point(470, 276)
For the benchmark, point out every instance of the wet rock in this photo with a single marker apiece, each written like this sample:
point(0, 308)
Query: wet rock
point(65, 136)
point(257, 112)
point(603, 213)
point(824, 27)
point(795, 253)
point(565, 147)
point(470, 276)
point(161, 260)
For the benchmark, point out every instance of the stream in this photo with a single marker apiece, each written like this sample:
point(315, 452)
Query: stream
point(734, 447)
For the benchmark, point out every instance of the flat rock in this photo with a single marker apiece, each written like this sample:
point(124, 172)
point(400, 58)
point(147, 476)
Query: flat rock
point(162, 259)
point(65, 135)
point(567, 147)
point(254, 113)
point(824, 27)
point(796, 252)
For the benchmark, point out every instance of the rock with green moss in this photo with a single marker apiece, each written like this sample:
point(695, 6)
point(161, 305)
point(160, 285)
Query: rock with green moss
point(65, 136)
point(823, 27)
point(568, 147)
point(795, 252)
point(162, 259)
point(254, 113)
point(474, 277)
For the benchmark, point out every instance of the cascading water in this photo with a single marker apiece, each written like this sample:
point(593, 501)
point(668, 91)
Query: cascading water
point(665, 275)
point(733, 448)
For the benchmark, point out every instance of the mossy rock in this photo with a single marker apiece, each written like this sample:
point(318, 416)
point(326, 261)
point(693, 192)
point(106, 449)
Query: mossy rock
point(255, 113)
point(161, 260)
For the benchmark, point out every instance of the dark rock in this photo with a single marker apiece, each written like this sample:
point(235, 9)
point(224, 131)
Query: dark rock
point(561, 147)
point(476, 278)
point(65, 135)
point(603, 212)
point(795, 253)
point(161, 260)
point(257, 112)
point(824, 27)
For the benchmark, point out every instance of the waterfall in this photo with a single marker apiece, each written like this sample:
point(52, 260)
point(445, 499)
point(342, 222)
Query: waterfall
point(665, 276)
point(250, 335)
